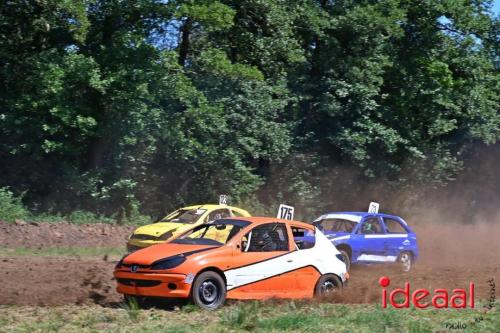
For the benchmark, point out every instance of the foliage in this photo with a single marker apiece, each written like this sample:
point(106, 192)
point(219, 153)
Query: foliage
point(11, 207)
point(129, 108)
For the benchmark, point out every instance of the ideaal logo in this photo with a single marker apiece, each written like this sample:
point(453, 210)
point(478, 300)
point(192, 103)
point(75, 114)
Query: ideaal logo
point(440, 298)
point(422, 298)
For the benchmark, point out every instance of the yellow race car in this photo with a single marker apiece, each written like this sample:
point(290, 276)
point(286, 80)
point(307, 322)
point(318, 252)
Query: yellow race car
point(178, 222)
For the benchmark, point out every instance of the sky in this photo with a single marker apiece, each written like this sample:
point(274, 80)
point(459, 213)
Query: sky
point(496, 7)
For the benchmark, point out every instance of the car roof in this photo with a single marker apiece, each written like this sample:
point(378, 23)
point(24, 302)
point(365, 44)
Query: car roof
point(270, 219)
point(207, 206)
point(362, 214)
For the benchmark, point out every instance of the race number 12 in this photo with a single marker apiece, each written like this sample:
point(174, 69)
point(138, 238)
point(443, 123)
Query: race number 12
point(223, 199)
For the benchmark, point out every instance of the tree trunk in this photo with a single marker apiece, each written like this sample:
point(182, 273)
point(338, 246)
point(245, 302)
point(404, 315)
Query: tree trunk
point(184, 45)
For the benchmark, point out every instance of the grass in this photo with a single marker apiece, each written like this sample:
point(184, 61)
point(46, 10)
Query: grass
point(63, 251)
point(246, 317)
point(81, 217)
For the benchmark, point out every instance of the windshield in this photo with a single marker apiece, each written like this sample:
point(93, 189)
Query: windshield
point(217, 233)
point(336, 225)
point(184, 216)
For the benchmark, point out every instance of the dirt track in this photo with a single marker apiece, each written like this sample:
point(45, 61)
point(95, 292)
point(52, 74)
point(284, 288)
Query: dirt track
point(57, 281)
point(450, 257)
point(62, 234)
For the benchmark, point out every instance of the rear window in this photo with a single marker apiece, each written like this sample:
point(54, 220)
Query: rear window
point(304, 238)
point(394, 226)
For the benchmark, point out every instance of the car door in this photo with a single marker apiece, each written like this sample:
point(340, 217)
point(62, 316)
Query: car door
point(260, 262)
point(368, 242)
point(397, 239)
point(306, 275)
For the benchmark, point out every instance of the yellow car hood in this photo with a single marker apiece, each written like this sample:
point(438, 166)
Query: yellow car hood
point(158, 229)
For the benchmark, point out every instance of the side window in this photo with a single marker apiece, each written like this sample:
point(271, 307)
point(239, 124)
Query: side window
point(236, 213)
point(218, 214)
point(394, 226)
point(304, 238)
point(327, 224)
point(371, 226)
point(266, 238)
point(336, 225)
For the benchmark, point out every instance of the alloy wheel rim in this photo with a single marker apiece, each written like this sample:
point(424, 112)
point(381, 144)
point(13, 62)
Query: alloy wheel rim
point(209, 292)
point(327, 287)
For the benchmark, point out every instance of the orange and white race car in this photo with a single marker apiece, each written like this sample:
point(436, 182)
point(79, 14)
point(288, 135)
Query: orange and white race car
point(258, 259)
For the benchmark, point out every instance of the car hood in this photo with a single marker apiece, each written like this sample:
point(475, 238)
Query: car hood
point(153, 253)
point(158, 229)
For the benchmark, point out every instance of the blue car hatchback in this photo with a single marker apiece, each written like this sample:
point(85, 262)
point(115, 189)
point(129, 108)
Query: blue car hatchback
point(368, 238)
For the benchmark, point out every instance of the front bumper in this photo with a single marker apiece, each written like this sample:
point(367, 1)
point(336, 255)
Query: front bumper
point(152, 284)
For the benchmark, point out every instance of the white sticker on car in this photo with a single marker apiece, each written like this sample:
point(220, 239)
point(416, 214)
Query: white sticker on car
point(373, 208)
point(371, 257)
point(223, 199)
point(387, 236)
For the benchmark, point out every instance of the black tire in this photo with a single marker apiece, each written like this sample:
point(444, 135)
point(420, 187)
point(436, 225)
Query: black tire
point(405, 261)
point(209, 290)
point(327, 284)
point(347, 259)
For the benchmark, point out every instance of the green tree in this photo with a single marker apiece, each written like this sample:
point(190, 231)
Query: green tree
point(115, 106)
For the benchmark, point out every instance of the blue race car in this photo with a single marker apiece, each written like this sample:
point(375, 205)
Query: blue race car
point(364, 237)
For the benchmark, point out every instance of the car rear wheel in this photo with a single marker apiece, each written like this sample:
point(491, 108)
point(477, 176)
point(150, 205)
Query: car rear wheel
point(347, 260)
point(327, 285)
point(405, 261)
point(209, 290)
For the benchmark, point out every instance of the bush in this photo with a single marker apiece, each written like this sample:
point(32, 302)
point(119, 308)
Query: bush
point(11, 206)
point(84, 217)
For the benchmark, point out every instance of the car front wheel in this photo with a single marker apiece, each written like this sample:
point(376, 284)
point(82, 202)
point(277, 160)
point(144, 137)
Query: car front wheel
point(209, 290)
point(405, 261)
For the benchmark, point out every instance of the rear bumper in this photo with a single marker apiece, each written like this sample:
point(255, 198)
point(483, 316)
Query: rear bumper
point(154, 284)
point(345, 278)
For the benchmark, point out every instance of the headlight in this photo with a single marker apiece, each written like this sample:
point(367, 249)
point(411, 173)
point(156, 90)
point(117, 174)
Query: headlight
point(165, 236)
point(340, 257)
point(119, 263)
point(168, 263)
